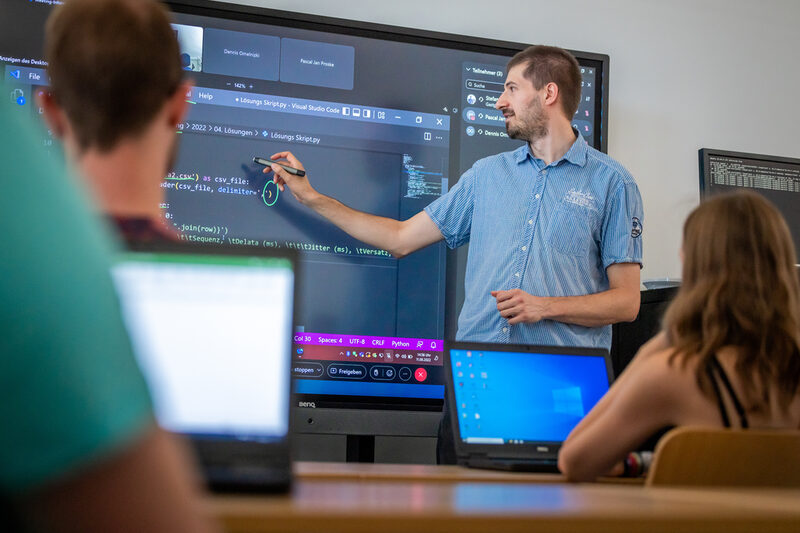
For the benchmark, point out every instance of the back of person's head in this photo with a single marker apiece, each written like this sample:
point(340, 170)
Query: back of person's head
point(740, 289)
point(550, 64)
point(112, 66)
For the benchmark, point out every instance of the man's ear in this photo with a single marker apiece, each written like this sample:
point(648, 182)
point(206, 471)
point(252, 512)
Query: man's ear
point(54, 116)
point(551, 93)
point(177, 106)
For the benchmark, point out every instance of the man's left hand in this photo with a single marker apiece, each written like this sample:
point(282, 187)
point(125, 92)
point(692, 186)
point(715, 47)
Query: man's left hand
point(518, 306)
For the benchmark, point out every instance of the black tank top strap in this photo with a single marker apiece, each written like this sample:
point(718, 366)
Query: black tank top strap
point(714, 365)
point(713, 379)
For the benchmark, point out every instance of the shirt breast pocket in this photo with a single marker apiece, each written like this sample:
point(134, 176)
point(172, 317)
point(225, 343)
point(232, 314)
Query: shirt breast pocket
point(570, 230)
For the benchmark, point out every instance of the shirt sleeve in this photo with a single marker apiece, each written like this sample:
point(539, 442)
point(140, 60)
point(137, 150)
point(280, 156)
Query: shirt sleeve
point(623, 226)
point(452, 212)
point(70, 390)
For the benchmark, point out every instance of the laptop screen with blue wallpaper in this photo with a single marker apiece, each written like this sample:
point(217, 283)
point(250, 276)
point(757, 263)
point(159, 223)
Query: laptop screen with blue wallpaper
point(524, 396)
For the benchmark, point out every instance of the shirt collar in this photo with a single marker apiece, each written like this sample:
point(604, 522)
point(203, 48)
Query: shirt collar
point(522, 153)
point(575, 155)
point(577, 152)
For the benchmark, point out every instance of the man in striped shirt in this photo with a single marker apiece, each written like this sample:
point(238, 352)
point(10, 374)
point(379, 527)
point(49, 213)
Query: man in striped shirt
point(554, 227)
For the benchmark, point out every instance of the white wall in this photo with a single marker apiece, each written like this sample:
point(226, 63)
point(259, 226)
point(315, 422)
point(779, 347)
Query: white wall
point(684, 75)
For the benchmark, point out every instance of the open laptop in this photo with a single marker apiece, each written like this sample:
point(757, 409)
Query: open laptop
point(512, 406)
point(211, 327)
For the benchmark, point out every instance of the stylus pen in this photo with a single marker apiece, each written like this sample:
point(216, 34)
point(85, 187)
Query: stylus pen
point(267, 162)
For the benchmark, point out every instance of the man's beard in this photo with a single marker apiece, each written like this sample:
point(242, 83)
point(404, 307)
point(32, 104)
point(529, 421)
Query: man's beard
point(529, 127)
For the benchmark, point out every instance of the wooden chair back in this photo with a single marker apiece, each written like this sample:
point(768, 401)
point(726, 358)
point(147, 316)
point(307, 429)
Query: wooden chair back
point(692, 456)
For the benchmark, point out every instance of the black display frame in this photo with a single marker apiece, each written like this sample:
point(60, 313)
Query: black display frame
point(367, 416)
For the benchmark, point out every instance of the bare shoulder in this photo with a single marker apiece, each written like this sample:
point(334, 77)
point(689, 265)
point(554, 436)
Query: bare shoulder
point(662, 362)
point(659, 380)
point(671, 384)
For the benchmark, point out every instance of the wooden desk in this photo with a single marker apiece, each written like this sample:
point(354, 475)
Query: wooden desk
point(399, 498)
point(389, 472)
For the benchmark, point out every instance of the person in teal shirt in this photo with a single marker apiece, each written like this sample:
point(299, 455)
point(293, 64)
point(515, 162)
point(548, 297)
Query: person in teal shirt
point(79, 447)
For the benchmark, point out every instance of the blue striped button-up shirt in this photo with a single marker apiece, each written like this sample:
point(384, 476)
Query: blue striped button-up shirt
point(550, 230)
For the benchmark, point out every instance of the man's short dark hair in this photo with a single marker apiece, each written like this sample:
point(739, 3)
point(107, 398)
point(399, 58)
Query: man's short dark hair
point(546, 64)
point(112, 65)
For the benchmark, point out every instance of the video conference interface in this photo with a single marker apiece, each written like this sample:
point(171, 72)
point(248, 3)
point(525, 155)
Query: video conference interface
point(383, 126)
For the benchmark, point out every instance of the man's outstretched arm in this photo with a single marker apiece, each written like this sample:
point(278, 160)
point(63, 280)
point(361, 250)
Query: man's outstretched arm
point(400, 238)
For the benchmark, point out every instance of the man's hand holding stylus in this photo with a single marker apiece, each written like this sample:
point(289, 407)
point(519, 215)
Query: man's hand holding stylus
point(300, 187)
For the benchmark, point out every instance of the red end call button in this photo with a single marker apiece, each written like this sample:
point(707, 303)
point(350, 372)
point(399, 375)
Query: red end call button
point(420, 374)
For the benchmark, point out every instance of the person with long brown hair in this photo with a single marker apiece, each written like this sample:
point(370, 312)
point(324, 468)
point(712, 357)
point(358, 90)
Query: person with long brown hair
point(728, 354)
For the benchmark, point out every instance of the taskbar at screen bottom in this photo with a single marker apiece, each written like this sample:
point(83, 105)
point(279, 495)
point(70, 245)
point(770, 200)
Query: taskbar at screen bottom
point(367, 349)
point(506, 441)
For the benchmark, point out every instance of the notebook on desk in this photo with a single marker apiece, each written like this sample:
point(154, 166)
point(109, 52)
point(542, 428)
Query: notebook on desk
point(211, 327)
point(512, 406)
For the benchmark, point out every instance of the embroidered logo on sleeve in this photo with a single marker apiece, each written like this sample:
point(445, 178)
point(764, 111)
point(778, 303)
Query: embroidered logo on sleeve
point(636, 228)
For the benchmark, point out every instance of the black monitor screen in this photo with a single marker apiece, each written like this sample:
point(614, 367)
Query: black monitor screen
point(775, 178)
point(384, 119)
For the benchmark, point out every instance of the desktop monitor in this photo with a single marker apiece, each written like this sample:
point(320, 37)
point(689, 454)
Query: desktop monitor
point(775, 178)
point(385, 119)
